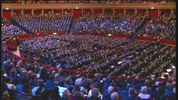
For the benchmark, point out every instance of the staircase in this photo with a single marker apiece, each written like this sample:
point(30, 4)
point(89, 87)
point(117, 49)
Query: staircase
point(141, 26)
point(14, 22)
point(72, 26)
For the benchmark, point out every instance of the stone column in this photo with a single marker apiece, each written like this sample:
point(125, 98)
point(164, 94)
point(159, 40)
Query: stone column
point(22, 12)
point(52, 11)
point(32, 12)
point(135, 11)
point(124, 11)
point(159, 12)
point(172, 12)
point(42, 12)
point(147, 12)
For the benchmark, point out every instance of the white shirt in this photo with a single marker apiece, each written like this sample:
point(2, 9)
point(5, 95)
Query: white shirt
point(78, 81)
point(89, 94)
point(144, 96)
point(174, 90)
point(34, 90)
point(11, 86)
point(61, 90)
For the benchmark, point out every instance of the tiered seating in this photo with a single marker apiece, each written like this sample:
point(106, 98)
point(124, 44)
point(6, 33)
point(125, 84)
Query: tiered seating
point(162, 28)
point(45, 23)
point(89, 67)
point(8, 29)
point(117, 24)
point(104, 55)
point(30, 80)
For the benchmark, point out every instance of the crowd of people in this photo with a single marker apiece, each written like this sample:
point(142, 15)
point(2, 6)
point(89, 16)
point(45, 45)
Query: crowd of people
point(45, 23)
point(109, 24)
point(99, 67)
point(163, 27)
point(28, 80)
point(104, 55)
point(8, 29)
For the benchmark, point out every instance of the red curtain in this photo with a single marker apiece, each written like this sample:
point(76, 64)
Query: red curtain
point(7, 15)
point(12, 44)
point(153, 13)
point(76, 13)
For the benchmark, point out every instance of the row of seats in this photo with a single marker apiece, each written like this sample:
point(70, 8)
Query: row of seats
point(111, 24)
point(27, 80)
point(104, 55)
point(45, 23)
point(162, 28)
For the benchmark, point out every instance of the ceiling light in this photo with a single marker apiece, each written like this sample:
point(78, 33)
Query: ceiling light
point(152, 7)
point(7, 8)
point(109, 34)
point(76, 7)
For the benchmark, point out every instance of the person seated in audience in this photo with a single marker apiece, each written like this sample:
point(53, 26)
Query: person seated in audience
point(115, 96)
point(143, 95)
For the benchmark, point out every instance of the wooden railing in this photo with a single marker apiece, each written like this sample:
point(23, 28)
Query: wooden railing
point(89, 6)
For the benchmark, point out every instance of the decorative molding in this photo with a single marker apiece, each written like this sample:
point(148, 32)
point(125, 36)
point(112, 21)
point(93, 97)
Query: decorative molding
point(91, 6)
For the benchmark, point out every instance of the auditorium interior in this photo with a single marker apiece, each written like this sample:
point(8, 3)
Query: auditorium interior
point(88, 49)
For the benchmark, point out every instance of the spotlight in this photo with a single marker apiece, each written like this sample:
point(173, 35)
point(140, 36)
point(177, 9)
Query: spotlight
point(152, 7)
point(109, 34)
point(7, 8)
point(54, 33)
point(76, 7)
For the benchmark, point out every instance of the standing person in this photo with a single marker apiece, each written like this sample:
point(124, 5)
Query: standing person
point(144, 93)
